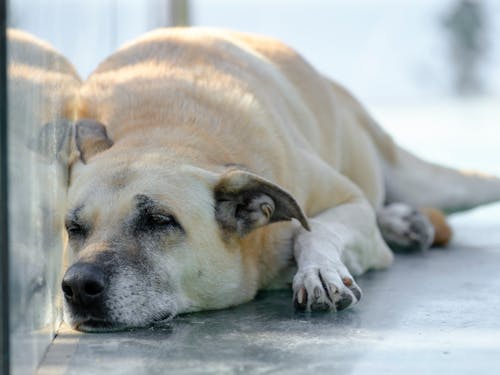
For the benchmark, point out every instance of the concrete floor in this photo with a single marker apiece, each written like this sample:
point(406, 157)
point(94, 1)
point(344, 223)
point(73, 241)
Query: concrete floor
point(436, 312)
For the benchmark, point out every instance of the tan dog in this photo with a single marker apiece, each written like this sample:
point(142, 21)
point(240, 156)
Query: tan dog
point(195, 150)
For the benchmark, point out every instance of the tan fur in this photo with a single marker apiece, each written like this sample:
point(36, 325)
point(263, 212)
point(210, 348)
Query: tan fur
point(205, 164)
point(209, 98)
point(237, 105)
point(442, 229)
point(231, 136)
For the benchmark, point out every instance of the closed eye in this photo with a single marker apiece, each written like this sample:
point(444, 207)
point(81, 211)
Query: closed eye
point(155, 222)
point(75, 230)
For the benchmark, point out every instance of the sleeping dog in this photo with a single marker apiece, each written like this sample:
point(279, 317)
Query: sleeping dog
point(206, 165)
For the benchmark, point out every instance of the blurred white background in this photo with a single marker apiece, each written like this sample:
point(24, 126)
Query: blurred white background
point(380, 49)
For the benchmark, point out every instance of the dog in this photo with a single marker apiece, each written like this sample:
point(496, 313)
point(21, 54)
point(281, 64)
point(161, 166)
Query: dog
point(208, 164)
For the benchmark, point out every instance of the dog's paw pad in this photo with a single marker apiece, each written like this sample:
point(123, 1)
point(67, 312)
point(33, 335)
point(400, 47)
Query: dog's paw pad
point(404, 228)
point(322, 289)
point(344, 302)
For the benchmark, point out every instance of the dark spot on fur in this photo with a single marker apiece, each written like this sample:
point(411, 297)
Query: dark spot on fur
point(119, 180)
point(143, 202)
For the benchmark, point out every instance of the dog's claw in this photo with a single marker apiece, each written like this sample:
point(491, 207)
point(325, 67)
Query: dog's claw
point(300, 299)
point(356, 291)
point(318, 289)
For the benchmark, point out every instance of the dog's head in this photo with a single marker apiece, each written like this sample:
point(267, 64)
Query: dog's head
point(153, 236)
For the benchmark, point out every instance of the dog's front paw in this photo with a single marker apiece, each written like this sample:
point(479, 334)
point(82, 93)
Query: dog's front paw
point(324, 288)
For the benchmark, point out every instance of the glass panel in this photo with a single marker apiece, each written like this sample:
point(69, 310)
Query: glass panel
point(42, 86)
point(4, 266)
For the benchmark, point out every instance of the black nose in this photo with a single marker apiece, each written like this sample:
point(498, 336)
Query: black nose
point(83, 284)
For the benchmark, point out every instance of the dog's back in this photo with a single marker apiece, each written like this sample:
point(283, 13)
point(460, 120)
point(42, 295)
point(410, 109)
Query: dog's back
point(236, 90)
point(221, 93)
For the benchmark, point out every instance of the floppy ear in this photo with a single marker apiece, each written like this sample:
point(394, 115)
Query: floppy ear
point(64, 140)
point(91, 138)
point(53, 141)
point(245, 201)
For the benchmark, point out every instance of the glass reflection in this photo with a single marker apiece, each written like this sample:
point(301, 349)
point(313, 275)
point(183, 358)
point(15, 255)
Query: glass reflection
point(41, 89)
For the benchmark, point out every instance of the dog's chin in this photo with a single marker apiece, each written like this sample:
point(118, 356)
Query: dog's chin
point(98, 325)
point(95, 325)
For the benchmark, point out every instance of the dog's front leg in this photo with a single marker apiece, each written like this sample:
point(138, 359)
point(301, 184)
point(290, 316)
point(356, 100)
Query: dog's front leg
point(343, 241)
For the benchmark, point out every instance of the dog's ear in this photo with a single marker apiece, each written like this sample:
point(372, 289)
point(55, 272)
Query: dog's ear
point(245, 201)
point(54, 141)
point(91, 138)
point(65, 141)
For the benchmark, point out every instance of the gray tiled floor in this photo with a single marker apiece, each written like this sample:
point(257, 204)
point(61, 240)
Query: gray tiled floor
point(437, 313)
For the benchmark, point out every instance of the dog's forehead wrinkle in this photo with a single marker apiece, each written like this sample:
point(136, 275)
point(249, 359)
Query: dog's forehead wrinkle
point(120, 179)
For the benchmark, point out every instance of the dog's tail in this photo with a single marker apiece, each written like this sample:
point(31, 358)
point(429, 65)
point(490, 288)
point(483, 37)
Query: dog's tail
point(411, 180)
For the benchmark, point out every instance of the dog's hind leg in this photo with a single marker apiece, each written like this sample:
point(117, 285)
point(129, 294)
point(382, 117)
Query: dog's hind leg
point(406, 229)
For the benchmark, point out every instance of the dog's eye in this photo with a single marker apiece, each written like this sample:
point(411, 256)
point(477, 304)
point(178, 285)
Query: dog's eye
point(75, 229)
point(161, 220)
point(153, 222)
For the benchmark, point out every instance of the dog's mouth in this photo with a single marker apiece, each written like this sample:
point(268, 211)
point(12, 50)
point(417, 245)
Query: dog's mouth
point(102, 325)
point(162, 319)
point(98, 325)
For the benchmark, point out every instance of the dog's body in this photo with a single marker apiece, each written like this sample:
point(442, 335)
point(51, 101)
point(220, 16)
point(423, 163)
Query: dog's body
point(209, 136)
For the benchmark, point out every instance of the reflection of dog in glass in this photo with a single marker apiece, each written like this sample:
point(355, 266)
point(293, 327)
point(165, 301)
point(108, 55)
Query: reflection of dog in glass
point(195, 150)
point(42, 85)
